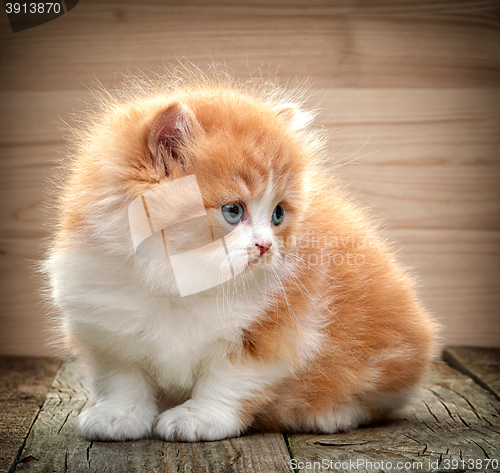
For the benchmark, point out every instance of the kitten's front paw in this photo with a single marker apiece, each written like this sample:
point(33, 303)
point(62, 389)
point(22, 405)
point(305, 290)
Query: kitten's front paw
point(109, 422)
point(192, 422)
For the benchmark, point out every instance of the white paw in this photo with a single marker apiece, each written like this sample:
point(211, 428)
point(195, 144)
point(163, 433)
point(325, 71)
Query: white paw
point(109, 422)
point(192, 422)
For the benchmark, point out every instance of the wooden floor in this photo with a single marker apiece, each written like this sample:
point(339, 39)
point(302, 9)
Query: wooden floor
point(418, 80)
point(455, 421)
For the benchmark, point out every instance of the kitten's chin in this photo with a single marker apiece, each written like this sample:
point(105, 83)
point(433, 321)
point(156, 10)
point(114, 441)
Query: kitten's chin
point(265, 260)
point(256, 260)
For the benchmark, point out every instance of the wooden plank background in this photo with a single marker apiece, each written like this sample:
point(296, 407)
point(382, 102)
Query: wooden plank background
point(420, 80)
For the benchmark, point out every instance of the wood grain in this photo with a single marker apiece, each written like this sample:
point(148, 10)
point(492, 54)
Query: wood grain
point(452, 419)
point(481, 364)
point(55, 444)
point(339, 44)
point(23, 387)
point(408, 93)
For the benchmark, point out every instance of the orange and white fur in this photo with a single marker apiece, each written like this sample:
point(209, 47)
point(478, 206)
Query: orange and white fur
point(320, 332)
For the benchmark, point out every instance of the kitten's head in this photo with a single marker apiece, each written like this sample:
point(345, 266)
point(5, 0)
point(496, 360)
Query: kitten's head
point(252, 165)
point(252, 159)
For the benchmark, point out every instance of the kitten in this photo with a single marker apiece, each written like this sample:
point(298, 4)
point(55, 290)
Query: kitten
point(273, 303)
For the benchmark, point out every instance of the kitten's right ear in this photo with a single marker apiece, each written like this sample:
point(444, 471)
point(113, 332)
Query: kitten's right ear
point(171, 131)
point(296, 118)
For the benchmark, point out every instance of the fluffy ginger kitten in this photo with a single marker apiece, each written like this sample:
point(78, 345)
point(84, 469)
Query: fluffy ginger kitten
point(294, 315)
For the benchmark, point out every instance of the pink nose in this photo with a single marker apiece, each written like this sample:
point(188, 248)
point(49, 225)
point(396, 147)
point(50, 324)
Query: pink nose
point(263, 246)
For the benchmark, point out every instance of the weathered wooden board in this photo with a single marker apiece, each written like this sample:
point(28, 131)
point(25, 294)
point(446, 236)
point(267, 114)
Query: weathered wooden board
point(343, 44)
point(55, 444)
point(422, 159)
point(452, 423)
point(24, 383)
point(452, 420)
point(457, 273)
point(481, 364)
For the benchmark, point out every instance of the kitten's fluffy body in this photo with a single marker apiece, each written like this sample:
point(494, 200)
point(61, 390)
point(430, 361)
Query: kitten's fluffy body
point(299, 342)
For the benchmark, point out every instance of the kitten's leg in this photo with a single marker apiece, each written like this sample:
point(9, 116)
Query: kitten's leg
point(220, 405)
point(125, 408)
point(350, 415)
point(342, 418)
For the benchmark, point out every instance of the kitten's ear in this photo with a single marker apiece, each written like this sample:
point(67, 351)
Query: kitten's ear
point(296, 118)
point(172, 129)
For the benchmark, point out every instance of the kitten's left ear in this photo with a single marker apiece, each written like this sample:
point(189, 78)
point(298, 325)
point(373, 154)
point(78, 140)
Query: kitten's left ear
point(172, 129)
point(295, 117)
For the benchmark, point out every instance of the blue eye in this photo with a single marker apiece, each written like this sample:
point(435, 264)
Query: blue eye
point(233, 212)
point(278, 214)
